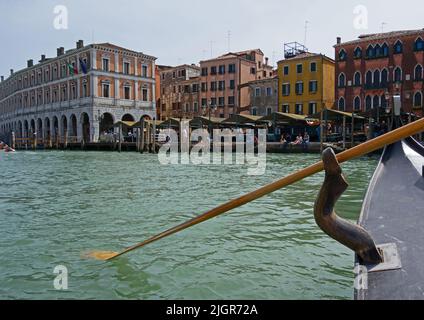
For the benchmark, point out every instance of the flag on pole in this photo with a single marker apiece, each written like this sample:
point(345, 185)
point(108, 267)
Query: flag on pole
point(83, 66)
point(72, 69)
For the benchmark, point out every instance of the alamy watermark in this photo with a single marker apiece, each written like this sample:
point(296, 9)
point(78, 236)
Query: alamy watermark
point(60, 21)
point(60, 282)
point(361, 277)
point(250, 148)
point(360, 21)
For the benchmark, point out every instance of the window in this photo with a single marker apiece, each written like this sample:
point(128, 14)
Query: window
point(253, 70)
point(313, 67)
point(384, 78)
point(368, 79)
point(385, 50)
point(221, 101)
point(269, 91)
point(299, 87)
point(173, 74)
point(221, 86)
point(84, 89)
point(204, 72)
point(222, 69)
point(204, 87)
point(257, 92)
point(299, 68)
point(313, 86)
point(126, 68)
point(63, 74)
point(418, 99)
point(74, 92)
point(357, 104)
point(398, 47)
point(378, 51)
point(357, 53)
point(342, 55)
point(127, 92)
point(368, 103)
point(268, 111)
point(370, 52)
point(105, 64)
point(299, 108)
point(286, 70)
point(285, 108)
point(213, 86)
point(231, 100)
point(232, 68)
point(341, 104)
point(376, 102)
point(145, 94)
point(418, 73)
point(419, 45)
point(357, 79)
point(312, 108)
point(397, 74)
point(106, 90)
point(213, 102)
point(144, 71)
point(195, 87)
point(342, 80)
point(254, 112)
point(213, 70)
point(204, 102)
point(286, 89)
point(232, 84)
point(186, 88)
point(383, 101)
point(377, 78)
point(196, 107)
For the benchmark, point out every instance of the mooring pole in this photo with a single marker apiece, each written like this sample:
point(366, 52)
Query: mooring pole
point(13, 140)
point(142, 136)
point(321, 130)
point(344, 132)
point(120, 138)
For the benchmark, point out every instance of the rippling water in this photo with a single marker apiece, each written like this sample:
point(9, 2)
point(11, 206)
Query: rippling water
point(56, 205)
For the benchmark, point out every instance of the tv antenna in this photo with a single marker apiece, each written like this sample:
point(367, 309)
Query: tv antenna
point(229, 40)
point(306, 32)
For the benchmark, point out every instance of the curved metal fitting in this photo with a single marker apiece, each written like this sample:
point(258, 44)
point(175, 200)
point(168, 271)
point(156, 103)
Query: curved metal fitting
point(351, 235)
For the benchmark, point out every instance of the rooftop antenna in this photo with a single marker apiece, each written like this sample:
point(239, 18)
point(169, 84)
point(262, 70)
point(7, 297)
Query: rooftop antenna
point(382, 26)
point(306, 32)
point(229, 40)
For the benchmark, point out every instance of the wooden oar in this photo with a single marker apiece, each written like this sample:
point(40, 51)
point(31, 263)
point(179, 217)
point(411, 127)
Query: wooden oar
point(362, 149)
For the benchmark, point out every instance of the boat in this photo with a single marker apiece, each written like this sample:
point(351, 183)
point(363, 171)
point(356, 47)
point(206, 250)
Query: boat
point(393, 214)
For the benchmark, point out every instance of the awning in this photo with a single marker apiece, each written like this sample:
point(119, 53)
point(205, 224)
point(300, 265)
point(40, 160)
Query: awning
point(290, 119)
point(127, 124)
point(198, 122)
point(242, 119)
point(335, 115)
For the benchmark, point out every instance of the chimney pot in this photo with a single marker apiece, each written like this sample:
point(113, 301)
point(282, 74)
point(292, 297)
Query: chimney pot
point(2, 78)
point(30, 63)
point(80, 44)
point(43, 57)
point(266, 60)
point(60, 51)
point(339, 40)
point(11, 72)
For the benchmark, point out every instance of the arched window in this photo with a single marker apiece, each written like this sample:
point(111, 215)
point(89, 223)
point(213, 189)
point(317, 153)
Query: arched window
point(384, 78)
point(358, 53)
point(385, 50)
point(418, 98)
point(378, 51)
point(368, 103)
point(419, 44)
point(398, 47)
point(342, 80)
point(377, 77)
point(342, 55)
point(418, 73)
point(376, 102)
point(341, 104)
point(368, 78)
point(397, 74)
point(357, 103)
point(383, 101)
point(357, 79)
point(370, 52)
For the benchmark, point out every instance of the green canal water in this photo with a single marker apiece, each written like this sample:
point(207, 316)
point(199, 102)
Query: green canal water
point(55, 205)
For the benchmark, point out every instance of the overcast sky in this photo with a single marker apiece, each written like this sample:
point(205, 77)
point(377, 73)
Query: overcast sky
point(185, 31)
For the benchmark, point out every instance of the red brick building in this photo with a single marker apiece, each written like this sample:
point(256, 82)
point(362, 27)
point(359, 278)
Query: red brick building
point(378, 64)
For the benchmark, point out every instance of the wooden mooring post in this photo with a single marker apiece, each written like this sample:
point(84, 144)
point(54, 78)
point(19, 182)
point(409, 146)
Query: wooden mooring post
point(13, 142)
point(142, 136)
point(120, 138)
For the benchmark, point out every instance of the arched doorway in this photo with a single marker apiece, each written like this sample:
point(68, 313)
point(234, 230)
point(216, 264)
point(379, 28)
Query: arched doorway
point(64, 125)
point(19, 132)
point(47, 134)
point(73, 130)
point(55, 132)
point(32, 127)
point(39, 129)
point(106, 123)
point(85, 124)
point(128, 117)
point(26, 129)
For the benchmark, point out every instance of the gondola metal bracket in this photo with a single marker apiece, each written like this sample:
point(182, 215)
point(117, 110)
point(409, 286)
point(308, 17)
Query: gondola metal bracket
point(391, 259)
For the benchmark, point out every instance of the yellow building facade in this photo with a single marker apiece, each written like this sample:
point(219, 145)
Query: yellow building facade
point(306, 83)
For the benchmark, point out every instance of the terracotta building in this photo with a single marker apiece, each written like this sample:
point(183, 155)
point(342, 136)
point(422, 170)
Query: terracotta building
point(378, 65)
point(223, 81)
point(177, 85)
point(79, 93)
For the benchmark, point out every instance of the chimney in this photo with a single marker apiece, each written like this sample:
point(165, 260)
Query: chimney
point(80, 44)
point(30, 63)
point(266, 60)
point(43, 58)
point(60, 51)
point(2, 78)
point(339, 40)
point(11, 72)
